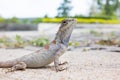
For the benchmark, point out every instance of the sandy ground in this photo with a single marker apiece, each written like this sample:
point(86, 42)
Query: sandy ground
point(88, 65)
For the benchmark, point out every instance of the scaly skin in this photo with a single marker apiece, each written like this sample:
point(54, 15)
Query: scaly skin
point(49, 53)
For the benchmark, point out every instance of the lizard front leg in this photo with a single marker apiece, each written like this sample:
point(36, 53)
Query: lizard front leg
point(56, 58)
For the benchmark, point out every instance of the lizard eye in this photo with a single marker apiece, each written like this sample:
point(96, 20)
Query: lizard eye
point(64, 22)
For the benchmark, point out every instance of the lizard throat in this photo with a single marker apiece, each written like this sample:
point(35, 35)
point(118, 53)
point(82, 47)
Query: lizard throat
point(66, 41)
point(64, 36)
point(65, 30)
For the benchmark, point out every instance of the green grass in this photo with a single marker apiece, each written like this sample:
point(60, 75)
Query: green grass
point(19, 42)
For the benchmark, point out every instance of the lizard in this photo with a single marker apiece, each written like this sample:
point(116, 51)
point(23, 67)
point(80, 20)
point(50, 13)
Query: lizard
point(47, 54)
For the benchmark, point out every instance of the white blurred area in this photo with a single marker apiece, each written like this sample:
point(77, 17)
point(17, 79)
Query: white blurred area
point(39, 8)
point(49, 27)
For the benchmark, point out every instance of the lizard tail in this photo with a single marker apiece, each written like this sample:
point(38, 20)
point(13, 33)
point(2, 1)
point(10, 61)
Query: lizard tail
point(7, 64)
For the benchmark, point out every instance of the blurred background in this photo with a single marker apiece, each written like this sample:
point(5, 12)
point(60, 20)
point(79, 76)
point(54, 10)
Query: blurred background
point(36, 11)
point(42, 17)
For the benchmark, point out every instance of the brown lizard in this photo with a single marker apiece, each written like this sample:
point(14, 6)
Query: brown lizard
point(49, 53)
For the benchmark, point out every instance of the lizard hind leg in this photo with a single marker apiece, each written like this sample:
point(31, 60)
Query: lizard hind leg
point(18, 66)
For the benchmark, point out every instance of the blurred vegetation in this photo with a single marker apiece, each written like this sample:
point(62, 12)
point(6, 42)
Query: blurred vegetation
point(40, 41)
point(19, 42)
point(101, 11)
point(108, 8)
point(102, 20)
point(81, 20)
point(64, 9)
point(109, 42)
point(2, 20)
point(75, 44)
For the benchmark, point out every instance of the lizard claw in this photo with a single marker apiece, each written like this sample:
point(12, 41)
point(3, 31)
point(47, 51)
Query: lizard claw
point(61, 69)
point(63, 63)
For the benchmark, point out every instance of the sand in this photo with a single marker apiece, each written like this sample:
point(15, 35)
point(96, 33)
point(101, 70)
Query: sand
point(87, 65)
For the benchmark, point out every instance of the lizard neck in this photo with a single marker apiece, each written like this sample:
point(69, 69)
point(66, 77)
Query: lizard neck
point(63, 37)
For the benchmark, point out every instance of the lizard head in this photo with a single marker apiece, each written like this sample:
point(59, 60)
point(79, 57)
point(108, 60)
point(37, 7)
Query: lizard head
point(65, 30)
point(68, 24)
